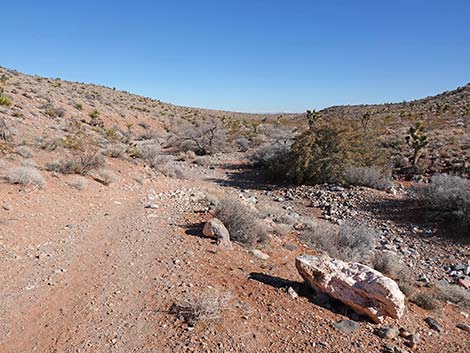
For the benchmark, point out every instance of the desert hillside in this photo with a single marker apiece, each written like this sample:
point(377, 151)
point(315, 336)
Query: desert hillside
point(132, 225)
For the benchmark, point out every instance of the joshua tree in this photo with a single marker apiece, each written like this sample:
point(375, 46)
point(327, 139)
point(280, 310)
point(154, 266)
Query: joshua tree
point(418, 140)
point(313, 117)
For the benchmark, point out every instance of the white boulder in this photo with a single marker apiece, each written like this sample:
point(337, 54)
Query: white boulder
point(365, 290)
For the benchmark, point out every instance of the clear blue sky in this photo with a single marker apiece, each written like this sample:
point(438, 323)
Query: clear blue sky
point(245, 55)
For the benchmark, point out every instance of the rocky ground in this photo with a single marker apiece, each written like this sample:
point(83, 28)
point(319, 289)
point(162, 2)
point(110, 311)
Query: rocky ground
point(99, 269)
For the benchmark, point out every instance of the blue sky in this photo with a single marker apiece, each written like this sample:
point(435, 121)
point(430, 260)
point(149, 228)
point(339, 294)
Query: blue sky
point(256, 56)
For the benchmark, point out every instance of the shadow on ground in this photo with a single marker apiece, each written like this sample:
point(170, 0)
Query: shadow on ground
point(407, 212)
point(305, 291)
point(244, 176)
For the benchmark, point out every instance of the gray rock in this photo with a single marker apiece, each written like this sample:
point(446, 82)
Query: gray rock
point(215, 229)
point(433, 324)
point(464, 327)
point(346, 326)
point(387, 332)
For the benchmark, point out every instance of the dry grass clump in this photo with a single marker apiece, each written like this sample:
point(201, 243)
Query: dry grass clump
point(25, 176)
point(425, 300)
point(24, 151)
point(371, 177)
point(348, 242)
point(454, 294)
point(82, 164)
point(203, 306)
point(242, 222)
point(449, 195)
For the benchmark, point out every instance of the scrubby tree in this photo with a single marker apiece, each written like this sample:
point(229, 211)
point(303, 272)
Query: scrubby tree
point(202, 136)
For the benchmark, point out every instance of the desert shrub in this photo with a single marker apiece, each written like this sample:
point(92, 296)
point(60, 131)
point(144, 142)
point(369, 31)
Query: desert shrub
point(53, 112)
point(454, 294)
point(348, 242)
point(25, 176)
point(78, 183)
point(242, 222)
point(406, 287)
point(116, 151)
point(449, 195)
point(425, 300)
point(274, 159)
point(79, 106)
point(147, 135)
point(5, 101)
point(149, 154)
point(29, 163)
point(5, 133)
point(105, 176)
point(203, 306)
point(188, 156)
point(367, 176)
point(389, 264)
point(203, 136)
point(242, 144)
point(81, 163)
point(166, 166)
point(24, 151)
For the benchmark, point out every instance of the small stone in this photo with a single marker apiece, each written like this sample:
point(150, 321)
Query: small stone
point(292, 293)
point(387, 332)
point(405, 333)
point(464, 282)
point(460, 267)
point(151, 206)
point(259, 254)
point(433, 324)
point(346, 326)
point(464, 327)
point(412, 341)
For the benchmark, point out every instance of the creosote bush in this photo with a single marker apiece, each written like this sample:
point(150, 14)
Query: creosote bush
point(25, 176)
point(242, 222)
point(203, 306)
point(348, 242)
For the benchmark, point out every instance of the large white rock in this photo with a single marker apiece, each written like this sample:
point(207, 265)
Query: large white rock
point(215, 229)
point(365, 290)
